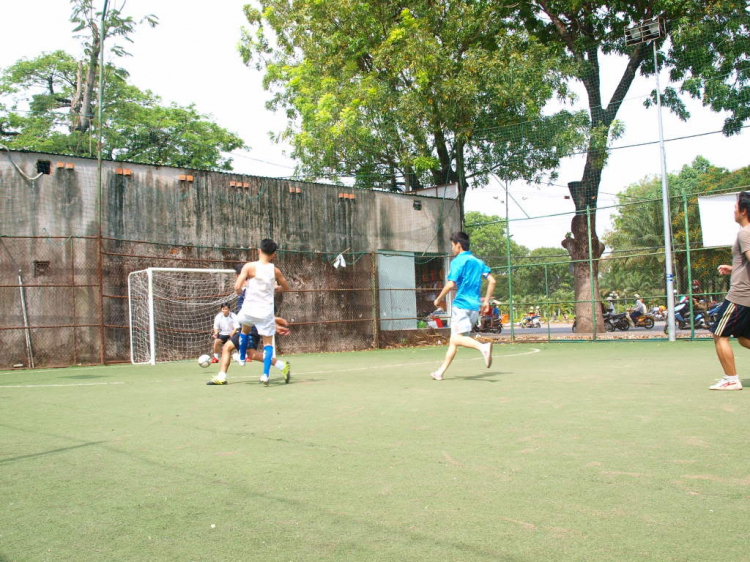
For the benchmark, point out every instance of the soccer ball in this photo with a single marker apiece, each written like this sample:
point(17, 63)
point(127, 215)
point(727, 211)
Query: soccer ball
point(204, 361)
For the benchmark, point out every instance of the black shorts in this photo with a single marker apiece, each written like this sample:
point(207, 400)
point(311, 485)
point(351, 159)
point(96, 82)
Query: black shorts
point(732, 320)
point(253, 343)
point(223, 337)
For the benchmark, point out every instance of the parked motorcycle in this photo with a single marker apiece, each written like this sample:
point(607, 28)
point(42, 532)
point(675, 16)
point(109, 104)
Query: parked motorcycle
point(616, 322)
point(658, 313)
point(531, 322)
point(612, 322)
point(491, 324)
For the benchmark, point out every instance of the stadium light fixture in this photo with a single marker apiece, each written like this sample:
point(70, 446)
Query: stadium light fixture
point(652, 30)
point(645, 31)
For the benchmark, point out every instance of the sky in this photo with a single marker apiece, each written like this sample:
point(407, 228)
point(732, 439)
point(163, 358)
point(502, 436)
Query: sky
point(192, 57)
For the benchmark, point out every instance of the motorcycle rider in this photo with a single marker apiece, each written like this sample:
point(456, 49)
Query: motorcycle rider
point(609, 306)
point(638, 310)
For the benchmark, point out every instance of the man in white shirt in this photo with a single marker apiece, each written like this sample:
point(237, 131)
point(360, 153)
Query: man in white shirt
point(638, 310)
point(225, 325)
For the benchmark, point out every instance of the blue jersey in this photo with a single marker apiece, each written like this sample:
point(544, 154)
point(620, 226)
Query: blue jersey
point(467, 273)
point(240, 300)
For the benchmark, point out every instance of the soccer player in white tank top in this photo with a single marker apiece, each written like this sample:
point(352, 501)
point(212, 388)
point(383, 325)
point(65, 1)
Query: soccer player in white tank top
point(259, 281)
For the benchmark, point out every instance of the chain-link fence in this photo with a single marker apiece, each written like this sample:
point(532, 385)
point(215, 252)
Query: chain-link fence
point(67, 299)
point(543, 294)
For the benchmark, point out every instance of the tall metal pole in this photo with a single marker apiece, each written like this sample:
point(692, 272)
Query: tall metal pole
point(665, 211)
point(100, 257)
point(689, 266)
point(27, 330)
point(510, 269)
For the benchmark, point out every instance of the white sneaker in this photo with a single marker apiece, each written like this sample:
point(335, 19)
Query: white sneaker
point(264, 379)
point(487, 353)
point(727, 384)
point(436, 376)
point(236, 356)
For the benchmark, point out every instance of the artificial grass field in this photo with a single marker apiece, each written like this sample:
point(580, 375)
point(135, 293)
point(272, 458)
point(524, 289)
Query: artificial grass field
point(596, 452)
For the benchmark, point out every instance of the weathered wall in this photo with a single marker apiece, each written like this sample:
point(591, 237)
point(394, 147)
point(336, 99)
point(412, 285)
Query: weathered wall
point(153, 218)
point(153, 204)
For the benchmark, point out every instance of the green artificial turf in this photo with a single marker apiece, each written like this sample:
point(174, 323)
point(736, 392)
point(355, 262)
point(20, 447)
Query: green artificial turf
point(595, 452)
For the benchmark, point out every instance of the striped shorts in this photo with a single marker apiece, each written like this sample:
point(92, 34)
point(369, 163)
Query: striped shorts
point(732, 320)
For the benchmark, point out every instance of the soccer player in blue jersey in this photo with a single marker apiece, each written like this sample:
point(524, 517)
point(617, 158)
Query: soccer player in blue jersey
point(465, 275)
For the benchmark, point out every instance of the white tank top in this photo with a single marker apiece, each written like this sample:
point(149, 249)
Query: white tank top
point(259, 291)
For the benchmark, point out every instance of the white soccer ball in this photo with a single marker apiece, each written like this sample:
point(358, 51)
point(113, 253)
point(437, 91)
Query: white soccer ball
point(204, 361)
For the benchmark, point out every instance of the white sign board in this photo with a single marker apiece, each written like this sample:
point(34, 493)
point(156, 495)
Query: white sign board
point(717, 219)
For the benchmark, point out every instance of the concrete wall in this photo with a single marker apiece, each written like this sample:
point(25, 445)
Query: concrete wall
point(167, 217)
point(154, 204)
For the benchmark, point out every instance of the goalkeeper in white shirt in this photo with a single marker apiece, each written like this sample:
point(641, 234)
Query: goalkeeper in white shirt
point(225, 325)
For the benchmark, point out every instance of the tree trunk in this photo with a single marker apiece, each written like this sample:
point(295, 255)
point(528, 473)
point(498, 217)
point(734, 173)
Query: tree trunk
point(82, 120)
point(577, 246)
point(461, 173)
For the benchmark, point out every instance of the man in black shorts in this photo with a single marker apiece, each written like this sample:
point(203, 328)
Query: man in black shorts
point(225, 326)
point(733, 317)
point(253, 353)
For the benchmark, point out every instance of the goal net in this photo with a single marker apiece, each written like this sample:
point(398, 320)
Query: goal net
point(172, 311)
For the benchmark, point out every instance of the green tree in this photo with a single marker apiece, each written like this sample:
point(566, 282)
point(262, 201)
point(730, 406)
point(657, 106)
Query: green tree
point(48, 104)
point(403, 94)
point(544, 270)
point(637, 237)
point(489, 243)
point(709, 55)
point(584, 31)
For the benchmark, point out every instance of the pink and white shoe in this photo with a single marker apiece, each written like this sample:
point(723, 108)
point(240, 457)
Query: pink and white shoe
point(727, 384)
point(436, 376)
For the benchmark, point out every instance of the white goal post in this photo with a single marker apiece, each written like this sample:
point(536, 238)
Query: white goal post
point(172, 311)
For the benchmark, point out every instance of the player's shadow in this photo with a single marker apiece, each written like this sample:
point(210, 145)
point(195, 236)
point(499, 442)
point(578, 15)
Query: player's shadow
point(745, 382)
point(485, 377)
point(83, 377)
point(50, 452)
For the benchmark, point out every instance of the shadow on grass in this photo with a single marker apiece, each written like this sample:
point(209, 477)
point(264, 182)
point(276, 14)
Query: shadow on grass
point(484, 377)
point(52, 452)
point(80, 377)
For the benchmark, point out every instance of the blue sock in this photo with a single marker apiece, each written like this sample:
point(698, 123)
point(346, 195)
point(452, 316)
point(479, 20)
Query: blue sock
point(267, 356)
point(243, 345)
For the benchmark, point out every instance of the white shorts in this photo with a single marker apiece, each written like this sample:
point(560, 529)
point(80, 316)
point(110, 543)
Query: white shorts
point(265, 326)
point(462, 320)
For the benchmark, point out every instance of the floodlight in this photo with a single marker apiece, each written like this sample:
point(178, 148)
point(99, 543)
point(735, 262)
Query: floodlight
point(645, 31)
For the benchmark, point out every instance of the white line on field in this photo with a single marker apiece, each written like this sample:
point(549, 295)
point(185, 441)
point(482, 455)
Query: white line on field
point(530, 352)
point(53, 385)
point(533, 350)
point(77, 369)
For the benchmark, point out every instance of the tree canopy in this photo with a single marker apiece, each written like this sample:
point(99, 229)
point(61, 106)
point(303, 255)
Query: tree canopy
point(406, 94)
point(49, 103)
point(637, 236)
